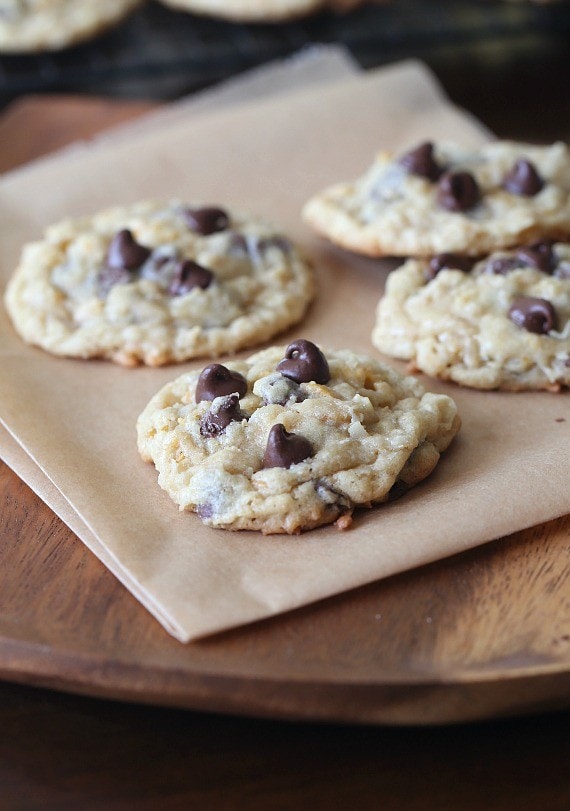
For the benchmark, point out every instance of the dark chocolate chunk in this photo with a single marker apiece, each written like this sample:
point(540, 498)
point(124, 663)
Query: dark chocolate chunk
point(285, 449)
point(458, 191)
point(398, 489)
point(448, 261)
point(420, 161)
point(187, 276)
point(533, 314)
point(539, 255)
point(303, 362)
point(216, 381)
point(207, 220)
point(219, 416)
point(125, 253)
point(523, 179)
point(502, 265)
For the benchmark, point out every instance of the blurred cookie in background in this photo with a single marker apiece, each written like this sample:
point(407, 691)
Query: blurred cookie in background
point(51, 25)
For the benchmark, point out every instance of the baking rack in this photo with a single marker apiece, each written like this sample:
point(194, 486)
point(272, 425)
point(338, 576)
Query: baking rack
point(162, 54)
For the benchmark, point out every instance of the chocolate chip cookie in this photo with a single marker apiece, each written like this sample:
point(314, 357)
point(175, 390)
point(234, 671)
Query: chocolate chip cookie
point(49, 25)
point(158, 283)
point(502, 322)
point(292, 438)
point(440, 197)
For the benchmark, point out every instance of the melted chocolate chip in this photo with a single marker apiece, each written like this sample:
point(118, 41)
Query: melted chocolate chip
point(533, 314)
point(303, 362)
point(280, 390)
point(458, 191)
point(217, 381)
point(448, 261)
point(187, 276)
point(219, 416)
point(539, 255)
point(285, 449)
point(502, 265)
point(333, 498)
point(125, 253)
point(420, 161)
point(207, 220)
point(523, 179)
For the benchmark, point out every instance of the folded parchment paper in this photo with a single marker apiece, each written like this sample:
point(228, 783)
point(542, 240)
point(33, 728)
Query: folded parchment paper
point(508, 468)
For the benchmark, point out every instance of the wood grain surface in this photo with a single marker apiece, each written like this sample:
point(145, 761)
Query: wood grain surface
point(480, 635)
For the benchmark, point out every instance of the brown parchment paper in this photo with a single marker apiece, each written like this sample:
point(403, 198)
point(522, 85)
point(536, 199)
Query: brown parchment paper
point(508, 468)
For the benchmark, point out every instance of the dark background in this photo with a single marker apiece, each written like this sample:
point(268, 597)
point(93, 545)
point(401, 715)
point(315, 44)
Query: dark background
point(508, 60)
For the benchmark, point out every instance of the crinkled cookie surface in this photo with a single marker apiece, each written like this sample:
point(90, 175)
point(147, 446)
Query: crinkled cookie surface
point(38, 25)
point(442, 197)
point(498, 323)
point(158, 283)
point(292, 438)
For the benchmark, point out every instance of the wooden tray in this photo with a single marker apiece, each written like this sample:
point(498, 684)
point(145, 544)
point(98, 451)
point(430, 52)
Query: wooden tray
point(480, 635)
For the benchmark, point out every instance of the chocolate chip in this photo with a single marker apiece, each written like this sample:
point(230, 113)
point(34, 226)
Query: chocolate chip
point(539, 255)
point(458, 191)
point(523, 179)
point(448, 261)
point(125, 253)
point(188, 275)
point(398, 489)
point(285, 449)
point(303, 362)
point(420, 161)
point(216, 381)
point(533, 314)
point(220, 414)
point(207, 220)
point(334, 498)
point(502, 265)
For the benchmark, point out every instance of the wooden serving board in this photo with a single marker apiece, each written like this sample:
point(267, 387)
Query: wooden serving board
point(480, 635)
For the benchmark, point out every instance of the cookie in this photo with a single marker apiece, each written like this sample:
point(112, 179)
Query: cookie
point(158, 283)
point(293, 438)
point(498, 323)
point(49, 25)
point(443, 198)
point(249, 10)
